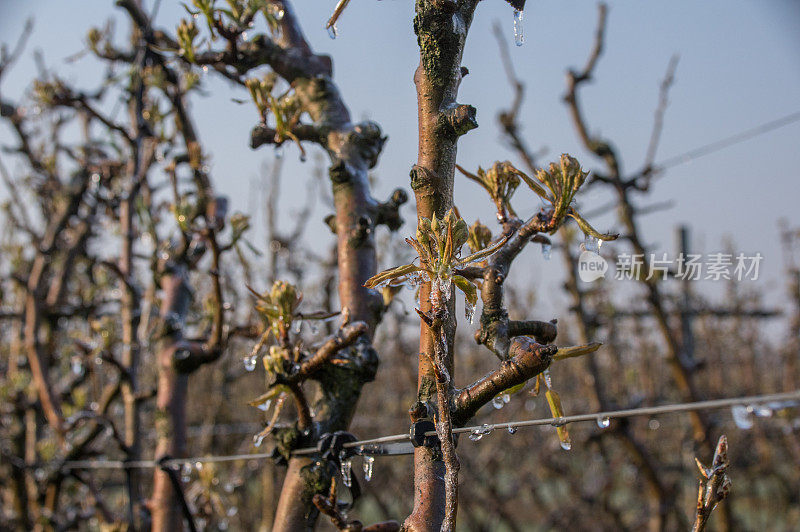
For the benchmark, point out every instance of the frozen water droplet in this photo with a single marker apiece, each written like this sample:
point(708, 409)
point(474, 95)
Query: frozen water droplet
point(244, 35)
point(297, 325)
point(77, 365)
point(265, 405)
point(276, 11)
point(497, 402)
point(547, 251)
point(603, 422)
point(741, 416)
point(512, 430)
point(195, 15)
point(477, 434)
point(233, 510)
point(592, 244)
point(198, 465)
point(346, 468)
point(369, 462)
point(258, 439)
point(761, 410)
point(469, 311)
point(205, 69)
point(333, 32)
point(566, 445)
point(519, 37)
point(506, 398)
point(250, 362)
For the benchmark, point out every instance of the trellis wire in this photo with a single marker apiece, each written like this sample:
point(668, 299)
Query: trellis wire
point(718, 145)
point(792, 398)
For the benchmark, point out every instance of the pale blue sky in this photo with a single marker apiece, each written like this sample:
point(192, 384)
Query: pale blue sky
point(739, 67)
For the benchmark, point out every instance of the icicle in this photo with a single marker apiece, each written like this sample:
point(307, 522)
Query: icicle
point(258, 439)
point(369, 461)
point(592, 244)
point(603, 422)
point(497, 402)
point(297, 325)
point(477, 434)
point(333, 32)
point(547, 251)
point(741, 416)
point(186, 472)
point(548, 380)
point(446, 286)
point(566, 445)
point(345, 469)
point(512, 430)
point(519, 38)
point(501, 345)
point(469, 311)
point(250, 362)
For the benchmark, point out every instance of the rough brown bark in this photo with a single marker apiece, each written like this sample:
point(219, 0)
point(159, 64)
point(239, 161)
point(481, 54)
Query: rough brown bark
point(441, 28)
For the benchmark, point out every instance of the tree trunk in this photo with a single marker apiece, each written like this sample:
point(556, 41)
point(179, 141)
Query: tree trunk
point(441, 29)
point(170, 400)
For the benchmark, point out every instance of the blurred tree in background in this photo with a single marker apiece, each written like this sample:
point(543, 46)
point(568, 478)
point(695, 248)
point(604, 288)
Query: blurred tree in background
point(141, 322)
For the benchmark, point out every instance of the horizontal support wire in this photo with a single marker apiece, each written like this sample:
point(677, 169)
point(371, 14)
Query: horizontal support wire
point(780, 400)
point(718, 145)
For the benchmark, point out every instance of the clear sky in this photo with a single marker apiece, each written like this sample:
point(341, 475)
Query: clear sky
point(739, 67)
